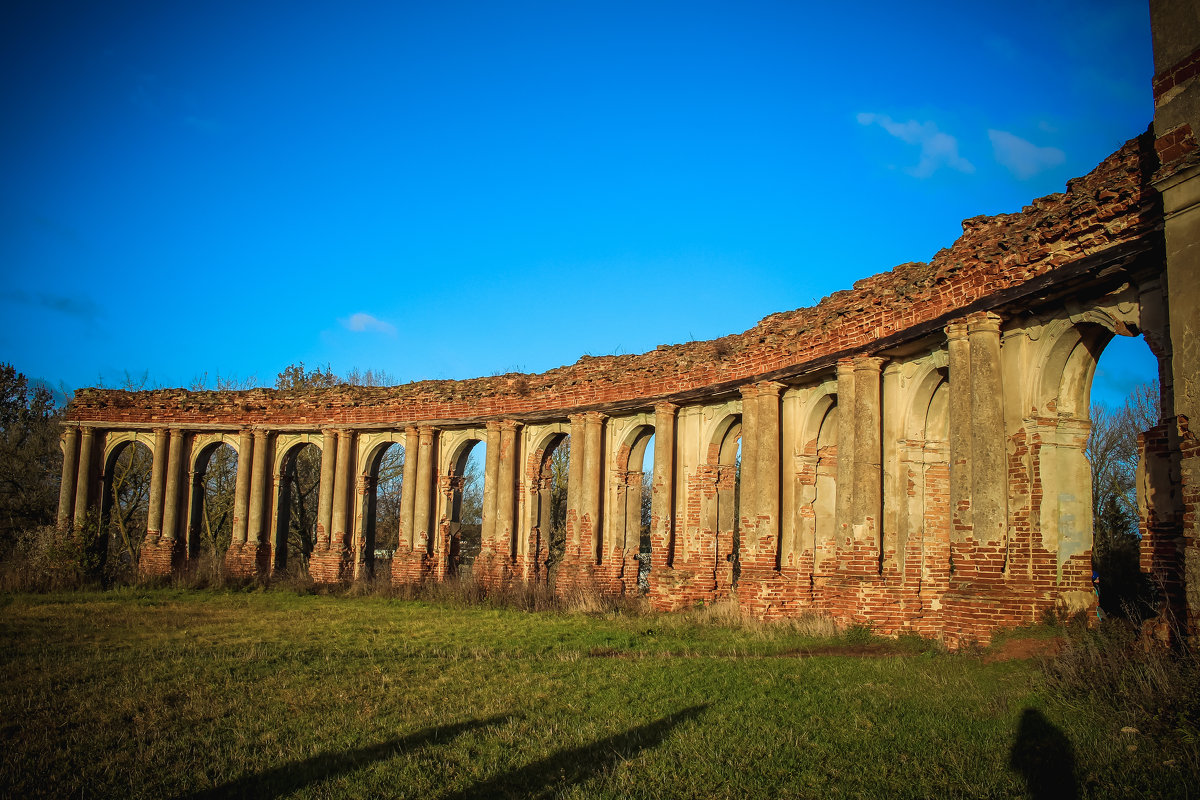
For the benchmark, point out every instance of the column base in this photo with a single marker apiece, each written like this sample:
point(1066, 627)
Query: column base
point(329, 566)
point(159, 556)
point(247, 560)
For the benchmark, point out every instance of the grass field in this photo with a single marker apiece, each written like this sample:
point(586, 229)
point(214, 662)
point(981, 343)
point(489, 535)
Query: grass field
point(264, 694)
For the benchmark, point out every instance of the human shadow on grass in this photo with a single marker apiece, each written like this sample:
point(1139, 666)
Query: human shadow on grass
point(1044, 756)
point(551, 775)
point(297, 774)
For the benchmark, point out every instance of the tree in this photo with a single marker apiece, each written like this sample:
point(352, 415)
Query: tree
point(130, 487)
point(294, 376)
point(30, 457)
point(1112, 453)
point(216, 510)
point(560, 471)
point(389, 485)
point(471, 507)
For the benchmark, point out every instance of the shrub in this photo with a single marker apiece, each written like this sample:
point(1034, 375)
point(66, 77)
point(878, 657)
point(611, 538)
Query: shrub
point(1126, 676)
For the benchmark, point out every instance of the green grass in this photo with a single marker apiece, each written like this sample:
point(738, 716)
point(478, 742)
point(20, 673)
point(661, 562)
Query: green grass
point(175, 693)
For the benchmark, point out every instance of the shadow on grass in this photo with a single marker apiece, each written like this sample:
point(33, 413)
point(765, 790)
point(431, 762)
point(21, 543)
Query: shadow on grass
point(1044, 756)
point(290, 777)
point(551, 775)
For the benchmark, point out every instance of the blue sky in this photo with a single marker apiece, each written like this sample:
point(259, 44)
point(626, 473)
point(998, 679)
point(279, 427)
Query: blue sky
point(446, 190)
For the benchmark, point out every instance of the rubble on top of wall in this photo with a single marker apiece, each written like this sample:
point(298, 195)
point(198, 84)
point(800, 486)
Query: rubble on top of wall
point(1111, 205)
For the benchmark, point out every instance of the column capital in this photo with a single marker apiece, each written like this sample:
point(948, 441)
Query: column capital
point(956, 330)
point(749, 391)
point(845, 365)
point(511, 425)
point(594, 417)
point(983, 322)
point(771, 387)
point(493, 424)
point(868, 363)
point(328, 431)
point(665, 407)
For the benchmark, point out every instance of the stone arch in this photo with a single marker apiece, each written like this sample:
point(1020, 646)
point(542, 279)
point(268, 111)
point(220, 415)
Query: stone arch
point(462, 542)
point(126, 472)
point(204, 448)
point(922, 544)
point(297, 492)
point(720, 534)
point(546, 541)
point(1067, 363)
point(1065, 367)
point(817, 498)
point(630, 537)
point(373, 451)
point(116, 439)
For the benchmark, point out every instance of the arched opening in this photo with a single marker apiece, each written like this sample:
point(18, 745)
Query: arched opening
point(632, 521)
point(299, 492)
point(824, 491)
point(922, 543)
point(1125, 403)
point(381, 511)
point(211, 520)
point(465, 505)
point(645, 504)
point(548, 534)
point(1101, 462)
point(125, 506)
point(725, 463)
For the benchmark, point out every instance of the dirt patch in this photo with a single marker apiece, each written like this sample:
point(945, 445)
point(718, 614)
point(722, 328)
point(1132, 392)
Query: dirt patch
point(883, 650)
point(855, 650)
point(1018, 648)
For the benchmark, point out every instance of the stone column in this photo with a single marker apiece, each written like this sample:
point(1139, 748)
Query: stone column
point(575, 486)
point(844, 506)
point(364, 493)
point(662, 499)
point(325, 493)
point(748, 497)
point(280, 494)
point(408, 491)
point(593, 483)
point(170, 526)
point(506, 489)
point(989, 475)
point(66, 488)
point(491, 468)
point(1176, 128)
point(343, 479)
point(867, 505)
point(629, 484)
point(158, 475)
point(83, 480)
point(423, 496)
point(195, 505)
point(258, 488)
point(766, 477)
point(241, 495)
point(959, 352)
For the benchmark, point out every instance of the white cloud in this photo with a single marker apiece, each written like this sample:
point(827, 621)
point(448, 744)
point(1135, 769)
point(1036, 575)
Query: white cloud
point(1023, 158)
point(362, 322)
point(938, 149)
